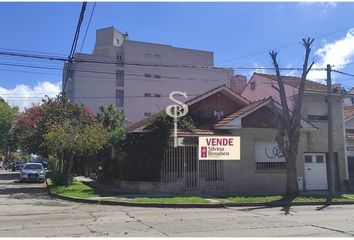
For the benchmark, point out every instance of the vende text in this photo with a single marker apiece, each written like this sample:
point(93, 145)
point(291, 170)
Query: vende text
point(220, 141)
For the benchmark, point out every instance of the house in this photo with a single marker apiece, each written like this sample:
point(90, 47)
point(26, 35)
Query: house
point(349, 130)
point(135, 76)
point(314, 110)
point(261, 168)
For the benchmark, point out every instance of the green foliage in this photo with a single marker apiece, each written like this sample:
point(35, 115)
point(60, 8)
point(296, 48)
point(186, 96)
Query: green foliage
point(26, 157)
point(26, 131)
point(112, 120)
point(60, 128)
point(7, 117)
point(52, 162)
point(15, 156)
point(78, 140)
point(57, 177)
point(32, 125)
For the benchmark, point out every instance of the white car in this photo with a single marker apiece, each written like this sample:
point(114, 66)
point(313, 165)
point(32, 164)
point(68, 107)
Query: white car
point(32, 172)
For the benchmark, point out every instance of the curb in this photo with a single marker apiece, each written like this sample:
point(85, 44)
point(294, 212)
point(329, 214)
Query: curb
point(193, 205)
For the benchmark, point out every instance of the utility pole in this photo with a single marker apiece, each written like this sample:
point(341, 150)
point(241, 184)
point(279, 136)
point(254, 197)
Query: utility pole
point(330, 160)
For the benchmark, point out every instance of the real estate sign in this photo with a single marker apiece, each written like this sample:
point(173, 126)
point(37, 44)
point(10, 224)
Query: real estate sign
point(219, 148)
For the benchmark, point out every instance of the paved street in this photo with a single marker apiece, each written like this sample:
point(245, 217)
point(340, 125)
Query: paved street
point(26, 210)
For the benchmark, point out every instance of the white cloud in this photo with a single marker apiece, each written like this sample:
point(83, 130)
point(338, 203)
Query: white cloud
point(259, 68)
point(336, 53)
point(24, 96)
point(290, 72)
point(325, 6)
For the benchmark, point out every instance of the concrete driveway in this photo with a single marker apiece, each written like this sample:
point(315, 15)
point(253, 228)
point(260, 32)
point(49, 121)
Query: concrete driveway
point(27, 210)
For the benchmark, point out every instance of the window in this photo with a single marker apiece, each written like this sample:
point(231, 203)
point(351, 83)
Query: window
point(157, 95)
point(120, 79)
point(253, 86)
point(157, 76)
point(269, 156)
point(120, 57)
point(157, 56)
point(147, 75)
point(147, 94)
point(315, 158)
point(317, 117)
point(319, 159)
point(119, 98)
point(270, 165)
point(317, 110)
point(308, 159)
point(147, 114)
point(147, 55)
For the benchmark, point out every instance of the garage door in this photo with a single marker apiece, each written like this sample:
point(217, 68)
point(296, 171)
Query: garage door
point(315, 171)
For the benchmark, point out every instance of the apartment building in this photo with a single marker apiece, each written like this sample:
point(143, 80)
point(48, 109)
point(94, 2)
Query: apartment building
point(137, 76)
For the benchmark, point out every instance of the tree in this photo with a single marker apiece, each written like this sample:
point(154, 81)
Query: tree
point(289, 127)
point(7, 117)
point(112, 120)
point(25, 129)
point(67, 140)
point(61, 128)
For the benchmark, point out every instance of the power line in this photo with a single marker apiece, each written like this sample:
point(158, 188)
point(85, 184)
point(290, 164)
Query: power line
point(74, 44)
point(105, 97)
point(88, 26)
point(283, 46)
point(46, 57)
point(35, 52)
point(348, 74)
point(111, 73)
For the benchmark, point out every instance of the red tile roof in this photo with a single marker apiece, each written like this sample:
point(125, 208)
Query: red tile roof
point(216, 88)
point(149, 119)
point(348, 112)
point(295, 82)
point(240, 112)
point(142, 122)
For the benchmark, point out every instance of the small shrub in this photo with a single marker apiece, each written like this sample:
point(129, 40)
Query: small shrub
point(57, 178)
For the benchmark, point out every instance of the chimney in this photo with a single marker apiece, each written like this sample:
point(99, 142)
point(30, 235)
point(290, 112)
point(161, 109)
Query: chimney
point(238, 83)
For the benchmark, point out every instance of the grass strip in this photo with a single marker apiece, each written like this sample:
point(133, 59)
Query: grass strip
point(81, 190)
point(76, 189)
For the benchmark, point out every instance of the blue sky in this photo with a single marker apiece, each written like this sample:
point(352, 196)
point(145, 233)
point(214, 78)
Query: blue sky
point(230, 30)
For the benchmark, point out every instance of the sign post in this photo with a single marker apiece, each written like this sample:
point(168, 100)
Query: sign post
point(175, 111)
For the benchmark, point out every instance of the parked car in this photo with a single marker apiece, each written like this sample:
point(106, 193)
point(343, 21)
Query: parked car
point(43, 162)
point(18, 165)
point(8, 166)
point(32, 172)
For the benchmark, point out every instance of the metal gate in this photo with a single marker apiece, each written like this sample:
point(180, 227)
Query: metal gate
point(181, 164)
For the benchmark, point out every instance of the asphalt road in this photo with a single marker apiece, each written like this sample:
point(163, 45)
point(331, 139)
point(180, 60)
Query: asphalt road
point(27, 211)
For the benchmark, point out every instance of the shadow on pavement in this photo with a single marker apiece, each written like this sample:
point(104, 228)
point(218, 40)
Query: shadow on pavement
point(9, 175)
point(10, 187)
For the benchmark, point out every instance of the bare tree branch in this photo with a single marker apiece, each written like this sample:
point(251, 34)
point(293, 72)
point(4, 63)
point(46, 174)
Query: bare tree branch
point(289, 129)
point(309, 69)
point(282, 93)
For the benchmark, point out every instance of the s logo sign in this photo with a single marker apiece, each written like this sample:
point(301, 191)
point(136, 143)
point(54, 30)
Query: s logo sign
point(176, 110)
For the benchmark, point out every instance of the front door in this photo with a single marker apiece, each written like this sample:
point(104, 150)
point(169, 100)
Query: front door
point(315, 171)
